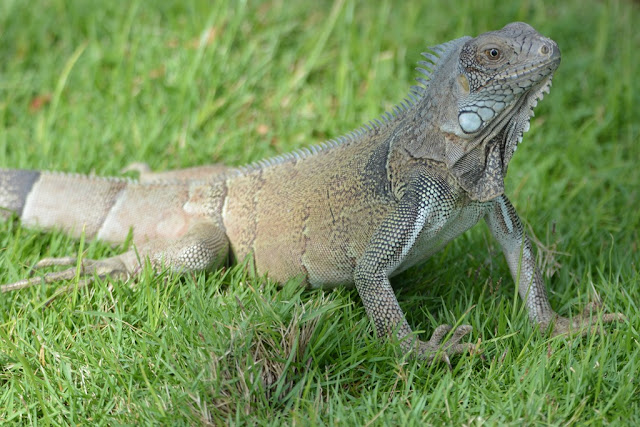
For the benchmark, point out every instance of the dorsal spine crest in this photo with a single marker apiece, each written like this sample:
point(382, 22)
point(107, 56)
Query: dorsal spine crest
point(434, 58)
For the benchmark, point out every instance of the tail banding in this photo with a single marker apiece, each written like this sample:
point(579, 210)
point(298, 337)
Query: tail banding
point(105, 208)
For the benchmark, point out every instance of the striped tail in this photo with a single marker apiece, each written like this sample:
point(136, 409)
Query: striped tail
point(106, 208)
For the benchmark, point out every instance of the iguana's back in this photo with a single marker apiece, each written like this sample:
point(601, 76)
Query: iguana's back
point(311, 214)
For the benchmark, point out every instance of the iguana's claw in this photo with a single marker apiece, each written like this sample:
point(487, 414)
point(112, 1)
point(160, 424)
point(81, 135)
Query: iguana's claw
point(585, 323)
point(434, 351)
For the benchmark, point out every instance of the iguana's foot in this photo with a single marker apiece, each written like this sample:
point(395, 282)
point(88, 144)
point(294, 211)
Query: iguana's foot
point(88, 271)
point(586, 322)
point(434, 351)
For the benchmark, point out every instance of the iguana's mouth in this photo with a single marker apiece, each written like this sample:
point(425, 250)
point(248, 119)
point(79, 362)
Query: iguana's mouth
point(541, 70)
point(551, 65)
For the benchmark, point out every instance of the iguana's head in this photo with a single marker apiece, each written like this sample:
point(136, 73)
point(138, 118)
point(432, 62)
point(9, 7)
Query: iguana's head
point(502, 69)
point(493, 82)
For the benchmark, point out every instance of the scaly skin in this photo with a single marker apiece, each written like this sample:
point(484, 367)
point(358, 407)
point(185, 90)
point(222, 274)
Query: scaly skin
point(350, 212)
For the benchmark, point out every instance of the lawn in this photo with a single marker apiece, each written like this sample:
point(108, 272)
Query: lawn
point(90, 86)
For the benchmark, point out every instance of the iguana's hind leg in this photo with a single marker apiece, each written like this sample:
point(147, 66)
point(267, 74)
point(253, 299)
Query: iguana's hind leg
point(204, 246)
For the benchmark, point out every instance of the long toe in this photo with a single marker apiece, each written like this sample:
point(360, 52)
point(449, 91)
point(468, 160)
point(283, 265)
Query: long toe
point(56, 262)
point(460, 333)
point(613, 317)
point(48, 278)
point(20, 284)
point(439, 334)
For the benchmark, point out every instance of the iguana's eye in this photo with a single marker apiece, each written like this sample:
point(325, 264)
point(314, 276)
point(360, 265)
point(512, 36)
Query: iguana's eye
point(492, 53)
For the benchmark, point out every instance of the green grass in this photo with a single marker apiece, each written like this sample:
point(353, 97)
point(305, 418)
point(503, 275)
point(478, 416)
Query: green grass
point(90, 86)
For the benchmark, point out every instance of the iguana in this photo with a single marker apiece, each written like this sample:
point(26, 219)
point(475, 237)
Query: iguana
point(352, 211)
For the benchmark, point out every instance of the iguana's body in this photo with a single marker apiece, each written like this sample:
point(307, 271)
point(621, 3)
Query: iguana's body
point(353, 211)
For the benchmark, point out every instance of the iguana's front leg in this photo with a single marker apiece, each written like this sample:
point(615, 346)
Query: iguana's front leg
point(422, 206)
point(506, 227)
point(202, 247)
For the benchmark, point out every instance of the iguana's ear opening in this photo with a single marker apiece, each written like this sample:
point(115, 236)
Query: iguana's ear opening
point(463, 81)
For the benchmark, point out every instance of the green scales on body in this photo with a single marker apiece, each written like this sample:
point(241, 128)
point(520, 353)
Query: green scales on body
point(354, 211)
